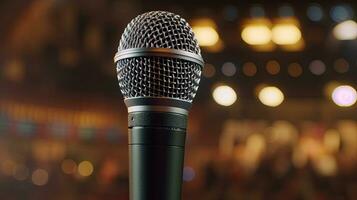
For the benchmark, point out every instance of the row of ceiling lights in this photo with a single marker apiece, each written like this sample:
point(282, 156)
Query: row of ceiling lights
point(272, 96)
point(316, 67)
point(314, 12)
point(263, 35)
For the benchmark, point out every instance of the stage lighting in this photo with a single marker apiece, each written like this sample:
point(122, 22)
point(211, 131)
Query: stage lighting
point(249, 69)
point(257, 11)
point(271, 96)
point(256, 34)
point(317, 67)
point(205, 32)
point(341, 65)
point(341, 12)
point(325, 165)
point(314, 12)
point(209, 70)
point(228, 69)
point(39, 177)
point(85, 168)
point(224, 95)
point(346, 30)
point(344, 96)
point(286, 34)
point(295, 70)
point(273, 67)
point(69, 166)
point(332, 140)
point(286, 11)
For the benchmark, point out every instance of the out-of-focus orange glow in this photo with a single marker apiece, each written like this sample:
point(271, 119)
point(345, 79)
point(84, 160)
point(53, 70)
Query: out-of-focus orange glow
point(332, 141)
point(272, 67)
point(69, 166)
point(295, 70)
point(249, 69)
point(85, 168)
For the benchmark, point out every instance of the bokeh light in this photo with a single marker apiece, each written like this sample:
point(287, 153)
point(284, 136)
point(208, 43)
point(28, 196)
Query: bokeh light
point(314, 12)
point(332, 140)
point(330, 87)
point(209, 70)
point(249, 69)
point(39, 177)
point(256, 34)
point(346, 30)
point(85, 168)
point(20, 172)
point(341, 65)
point(326, 165)
point(286, 34)
point(295, 70)
point(271, 96)
point(273, 67)
point(228, 69)
point(344, 96)
point(224, 95)
point(7, 167)
point(14, 70)
point(205, 32)
point(317, 67)
point(257, 11)
point(285, 11)
point(188, 174)
point(341, 12)
point(230, 12)
point(69, 166)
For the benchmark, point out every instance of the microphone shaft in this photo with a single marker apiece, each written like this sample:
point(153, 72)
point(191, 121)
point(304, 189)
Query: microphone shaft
point(156, 155)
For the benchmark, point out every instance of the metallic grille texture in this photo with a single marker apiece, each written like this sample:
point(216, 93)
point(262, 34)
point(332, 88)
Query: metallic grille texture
point(159, 29)
point(158, 77)
point(155, 76)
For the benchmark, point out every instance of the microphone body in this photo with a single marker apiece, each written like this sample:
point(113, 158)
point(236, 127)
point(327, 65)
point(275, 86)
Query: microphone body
point(156, 149)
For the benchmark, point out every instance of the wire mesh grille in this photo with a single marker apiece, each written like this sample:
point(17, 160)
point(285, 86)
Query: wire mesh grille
point(154, 76)
point(163, 77)
point(159, 29)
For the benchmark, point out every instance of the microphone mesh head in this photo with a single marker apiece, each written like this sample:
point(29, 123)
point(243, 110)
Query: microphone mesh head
point(157, 76)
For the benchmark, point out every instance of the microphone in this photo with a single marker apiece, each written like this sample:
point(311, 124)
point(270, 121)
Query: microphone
point(159, 67)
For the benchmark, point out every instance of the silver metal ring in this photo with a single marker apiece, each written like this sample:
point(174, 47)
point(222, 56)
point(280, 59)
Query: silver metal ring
point(157, 109)
point(164, 52)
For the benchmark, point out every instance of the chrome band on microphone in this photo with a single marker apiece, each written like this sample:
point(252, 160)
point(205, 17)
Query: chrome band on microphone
point(171, 109)
point(161, 52)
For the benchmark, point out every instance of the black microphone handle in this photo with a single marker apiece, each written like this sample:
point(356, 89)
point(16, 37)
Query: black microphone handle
point(156, 155)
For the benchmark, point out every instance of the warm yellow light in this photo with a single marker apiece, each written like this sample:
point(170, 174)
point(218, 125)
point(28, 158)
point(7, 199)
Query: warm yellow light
point(206, 35)
point(346, 30)
point(326, 165)
point(7, 167)
point(85, 168)
point(286, 34)
point(256, 34)
point(271, 96)
point(344, 96)
point(332, 140)
point(224, 95)
point(255, 143)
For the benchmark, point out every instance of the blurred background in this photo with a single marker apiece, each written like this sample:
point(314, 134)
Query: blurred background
point(275, 116)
